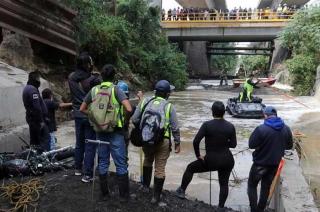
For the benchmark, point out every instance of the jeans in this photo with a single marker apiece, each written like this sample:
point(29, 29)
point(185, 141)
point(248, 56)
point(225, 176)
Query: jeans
point(117, 149)
point(52, 141)
point(84, 153)
point(265, 174)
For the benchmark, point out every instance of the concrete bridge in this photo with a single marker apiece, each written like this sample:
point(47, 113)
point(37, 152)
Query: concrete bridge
point(194, 35)
point(275, 3)
point(225, 31)
point(218, 4)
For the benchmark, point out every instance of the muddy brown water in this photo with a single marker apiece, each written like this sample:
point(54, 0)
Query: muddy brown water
point(193, 108)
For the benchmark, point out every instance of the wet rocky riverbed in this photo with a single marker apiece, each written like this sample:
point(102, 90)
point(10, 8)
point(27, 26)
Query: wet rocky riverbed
point(193, 108)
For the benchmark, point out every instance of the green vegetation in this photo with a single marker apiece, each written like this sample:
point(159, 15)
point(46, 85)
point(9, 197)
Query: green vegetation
point(302, 36)
point(224, 63)
point(132, 40)
point(254, 62)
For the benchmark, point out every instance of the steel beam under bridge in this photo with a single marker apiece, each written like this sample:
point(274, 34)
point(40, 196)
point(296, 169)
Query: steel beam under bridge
point(237, 53)
point(248, 31)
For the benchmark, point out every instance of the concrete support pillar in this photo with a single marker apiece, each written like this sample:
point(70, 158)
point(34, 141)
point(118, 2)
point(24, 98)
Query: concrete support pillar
point(196, 52)
point(155, 3)
point(279, 54)
point(210, 4)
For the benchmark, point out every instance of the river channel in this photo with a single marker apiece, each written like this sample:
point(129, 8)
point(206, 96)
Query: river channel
point(193, 108)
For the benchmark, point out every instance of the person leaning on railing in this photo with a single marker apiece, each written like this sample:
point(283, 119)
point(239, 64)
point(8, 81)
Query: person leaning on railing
point(196, 14)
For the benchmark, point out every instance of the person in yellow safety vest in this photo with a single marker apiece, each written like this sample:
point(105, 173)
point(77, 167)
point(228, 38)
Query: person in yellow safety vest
point(248, 88)
point(117, 147)
point(125, 88)
point(159, 152)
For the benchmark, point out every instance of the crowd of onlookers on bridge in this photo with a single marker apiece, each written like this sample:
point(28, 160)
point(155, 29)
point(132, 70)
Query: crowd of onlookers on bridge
point(283, 11)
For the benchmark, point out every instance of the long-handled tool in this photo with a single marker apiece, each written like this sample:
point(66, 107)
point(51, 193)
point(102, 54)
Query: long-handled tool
point(141, 165)
point(275, 181)
point(95, 160)
point(210, 188)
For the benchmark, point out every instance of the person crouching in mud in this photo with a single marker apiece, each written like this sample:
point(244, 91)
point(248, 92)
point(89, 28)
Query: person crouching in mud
point(220, 135)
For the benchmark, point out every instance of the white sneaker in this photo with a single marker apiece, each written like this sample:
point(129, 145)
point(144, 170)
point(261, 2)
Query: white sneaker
point(77, 172)
point(87, 179)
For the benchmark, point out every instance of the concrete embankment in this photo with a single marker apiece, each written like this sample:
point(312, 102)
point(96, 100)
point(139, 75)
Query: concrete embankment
point(12, 113)
point(310, 156)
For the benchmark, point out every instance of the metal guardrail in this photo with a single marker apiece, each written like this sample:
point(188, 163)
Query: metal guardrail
point(228, 17)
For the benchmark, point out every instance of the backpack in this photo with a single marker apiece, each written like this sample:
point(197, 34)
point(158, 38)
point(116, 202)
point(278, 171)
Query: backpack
point(102, 112)
point(135, 135)
point(154, 123)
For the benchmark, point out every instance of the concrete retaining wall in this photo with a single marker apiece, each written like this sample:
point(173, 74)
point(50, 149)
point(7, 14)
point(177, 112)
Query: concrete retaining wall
point(11, 141)
point(293, 192)
point(12, 112)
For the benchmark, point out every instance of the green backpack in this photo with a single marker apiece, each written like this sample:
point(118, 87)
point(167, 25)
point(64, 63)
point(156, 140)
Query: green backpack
point(103, 110)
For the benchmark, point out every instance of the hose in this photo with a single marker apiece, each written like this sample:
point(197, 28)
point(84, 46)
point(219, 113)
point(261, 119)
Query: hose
point(22, 195)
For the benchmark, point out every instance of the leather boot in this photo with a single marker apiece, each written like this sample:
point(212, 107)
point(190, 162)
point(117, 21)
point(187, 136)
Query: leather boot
point(104, 187)
point(123, 183)
point(157, 189)
point(147, 173)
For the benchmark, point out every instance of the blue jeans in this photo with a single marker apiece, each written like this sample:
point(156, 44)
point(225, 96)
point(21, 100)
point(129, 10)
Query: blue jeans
point(117, 148)
point(52, 141)
point(84, 153)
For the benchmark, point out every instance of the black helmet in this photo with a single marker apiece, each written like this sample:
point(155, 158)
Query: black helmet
point(164, 86)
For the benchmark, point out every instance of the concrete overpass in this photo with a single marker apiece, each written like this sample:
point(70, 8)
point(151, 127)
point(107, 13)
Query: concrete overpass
point(275, 3)
point(218, 4)
point(193, 37)
point(244, 31)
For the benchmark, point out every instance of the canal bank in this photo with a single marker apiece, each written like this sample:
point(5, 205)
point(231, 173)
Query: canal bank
point(310, 157)
point(193, 108)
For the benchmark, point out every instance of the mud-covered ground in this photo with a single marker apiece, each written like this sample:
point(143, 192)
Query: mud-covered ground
point(65, 192)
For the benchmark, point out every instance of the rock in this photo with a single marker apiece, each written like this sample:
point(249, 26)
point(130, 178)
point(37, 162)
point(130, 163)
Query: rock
point(16, 50)
point(282, 74)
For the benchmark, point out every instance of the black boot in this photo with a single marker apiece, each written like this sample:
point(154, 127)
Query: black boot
point(147, 173)
point(157, 189)
point(104, 187)
point(123, 182)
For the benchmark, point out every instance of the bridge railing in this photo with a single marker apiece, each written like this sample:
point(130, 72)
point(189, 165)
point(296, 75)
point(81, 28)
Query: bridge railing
point(228, 17)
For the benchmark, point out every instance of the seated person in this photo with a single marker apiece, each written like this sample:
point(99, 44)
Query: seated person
point(248, 88)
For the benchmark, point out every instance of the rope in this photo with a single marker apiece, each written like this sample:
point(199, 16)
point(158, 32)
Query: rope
point(289, 97)
point(22, 195)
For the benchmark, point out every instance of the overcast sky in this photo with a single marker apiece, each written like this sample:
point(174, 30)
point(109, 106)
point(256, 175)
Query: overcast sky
point(169, 4)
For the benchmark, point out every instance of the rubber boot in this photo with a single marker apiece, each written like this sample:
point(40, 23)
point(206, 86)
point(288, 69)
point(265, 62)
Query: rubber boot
point(147, 173)
point(104, 187)
point(123, 182)
point(157, 189)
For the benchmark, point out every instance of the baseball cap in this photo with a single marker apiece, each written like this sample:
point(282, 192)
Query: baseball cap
point(164, 86)
point(270, 111)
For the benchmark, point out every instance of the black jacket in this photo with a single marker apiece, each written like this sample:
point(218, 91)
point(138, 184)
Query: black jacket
point(270, 140)
point(80, 83)
point(36, 110)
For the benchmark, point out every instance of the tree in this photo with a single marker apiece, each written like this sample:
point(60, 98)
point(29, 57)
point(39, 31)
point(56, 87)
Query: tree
point(132, 40)
point(302, 37)
point(254, 62)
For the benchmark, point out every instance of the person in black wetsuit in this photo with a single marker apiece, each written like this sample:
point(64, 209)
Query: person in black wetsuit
point(220, 135)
